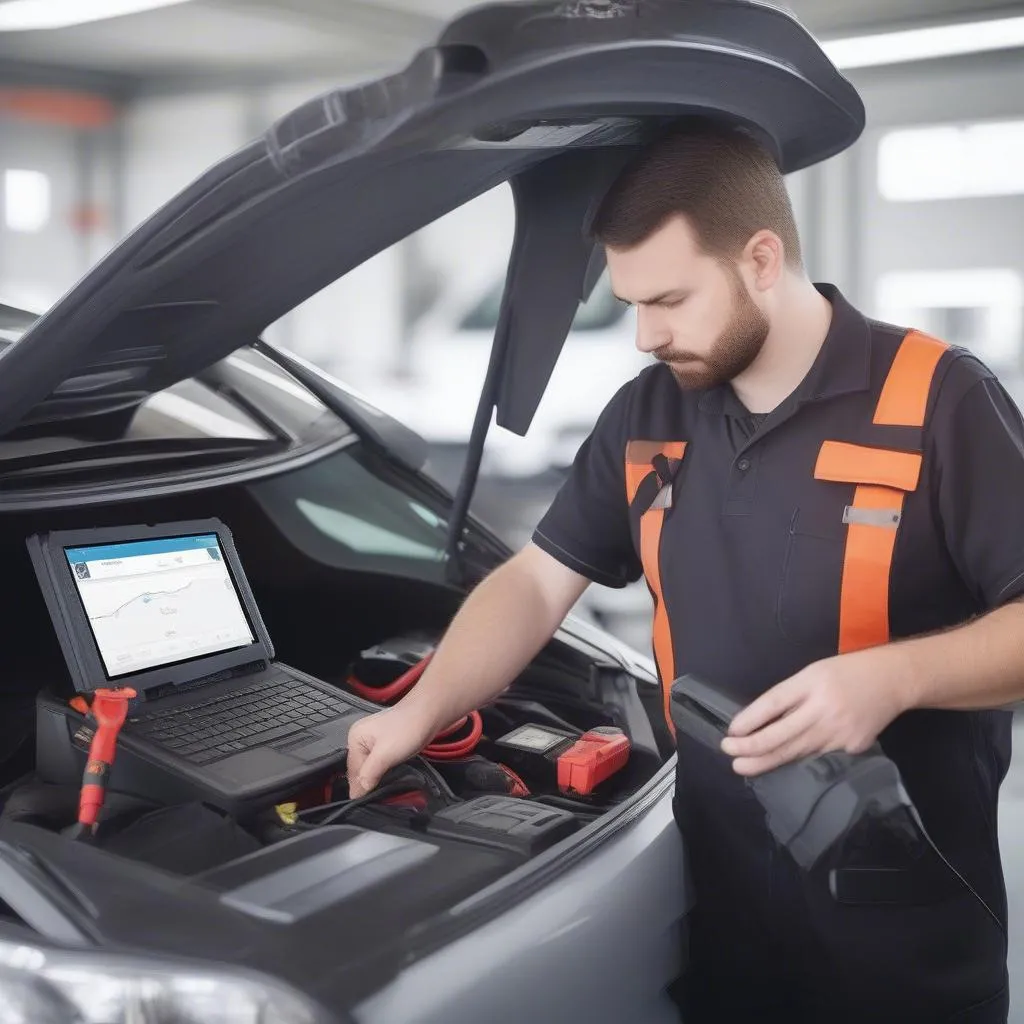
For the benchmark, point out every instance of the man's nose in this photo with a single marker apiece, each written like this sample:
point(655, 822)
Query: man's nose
point(650, 335)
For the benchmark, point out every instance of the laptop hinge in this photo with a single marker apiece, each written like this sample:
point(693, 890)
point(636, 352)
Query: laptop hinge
point(169, 689)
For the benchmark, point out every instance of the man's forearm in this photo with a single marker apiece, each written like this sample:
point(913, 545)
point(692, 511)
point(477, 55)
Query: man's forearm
point(978, 665)
point(495, 635)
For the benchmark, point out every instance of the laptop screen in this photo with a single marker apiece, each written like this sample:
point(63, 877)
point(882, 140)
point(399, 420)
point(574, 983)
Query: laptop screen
point(152, 603)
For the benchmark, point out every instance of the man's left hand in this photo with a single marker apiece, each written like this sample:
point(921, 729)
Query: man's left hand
point(842, 703)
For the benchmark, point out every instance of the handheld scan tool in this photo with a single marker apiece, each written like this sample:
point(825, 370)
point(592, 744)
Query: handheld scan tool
point(811, 804)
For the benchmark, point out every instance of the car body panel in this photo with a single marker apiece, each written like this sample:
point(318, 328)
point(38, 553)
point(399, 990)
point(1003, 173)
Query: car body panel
point(601, 945)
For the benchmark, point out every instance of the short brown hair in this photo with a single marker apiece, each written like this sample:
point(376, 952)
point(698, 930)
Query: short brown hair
point(722, 180)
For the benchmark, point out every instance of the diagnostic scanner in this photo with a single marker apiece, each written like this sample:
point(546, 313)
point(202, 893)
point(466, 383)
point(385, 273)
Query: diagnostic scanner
point(812, 804)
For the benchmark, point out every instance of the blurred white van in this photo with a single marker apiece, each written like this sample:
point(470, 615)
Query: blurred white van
point(447, 360)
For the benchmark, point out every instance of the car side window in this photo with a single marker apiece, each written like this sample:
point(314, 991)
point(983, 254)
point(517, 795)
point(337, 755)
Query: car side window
point(190, 409)
point(343, 511)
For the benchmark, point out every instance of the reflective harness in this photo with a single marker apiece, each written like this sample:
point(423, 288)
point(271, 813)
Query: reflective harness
point(883, 477)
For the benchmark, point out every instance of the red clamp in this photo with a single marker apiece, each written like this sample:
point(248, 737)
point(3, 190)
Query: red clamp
point(594, 757)
point(109, 710)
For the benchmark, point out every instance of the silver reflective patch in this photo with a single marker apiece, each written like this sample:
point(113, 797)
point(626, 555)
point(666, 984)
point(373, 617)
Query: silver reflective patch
point(889, 517)
point(664, 498)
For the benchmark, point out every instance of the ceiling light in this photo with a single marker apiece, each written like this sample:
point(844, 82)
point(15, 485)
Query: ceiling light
point(29, 15)
point(926, 43)
point(26, 200)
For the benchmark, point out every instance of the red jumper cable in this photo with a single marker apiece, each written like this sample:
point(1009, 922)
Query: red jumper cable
point(441, 747)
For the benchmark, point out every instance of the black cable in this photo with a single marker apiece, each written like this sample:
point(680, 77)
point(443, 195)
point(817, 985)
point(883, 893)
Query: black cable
point(389, 789)
point(963, 881)
point(432, 775)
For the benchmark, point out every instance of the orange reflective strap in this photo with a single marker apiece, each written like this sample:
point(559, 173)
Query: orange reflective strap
point(639, 459)
point(904, 398)
point(883, 478)
point(870, 542)
point(858, 464)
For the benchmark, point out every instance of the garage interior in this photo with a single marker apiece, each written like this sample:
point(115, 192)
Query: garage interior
point(104, 115)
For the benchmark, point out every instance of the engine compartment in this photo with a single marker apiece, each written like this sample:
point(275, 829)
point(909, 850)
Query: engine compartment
point(485, 798)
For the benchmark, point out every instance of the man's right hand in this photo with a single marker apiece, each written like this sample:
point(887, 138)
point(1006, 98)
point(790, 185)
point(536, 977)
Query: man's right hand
point(504, 622)
point(379, 742)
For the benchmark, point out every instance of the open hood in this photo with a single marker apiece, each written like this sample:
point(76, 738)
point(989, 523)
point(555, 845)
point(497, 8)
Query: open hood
point(550, 96)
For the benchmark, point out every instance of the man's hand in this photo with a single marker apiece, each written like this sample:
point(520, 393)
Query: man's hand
point(842, 703)
point(380, 741)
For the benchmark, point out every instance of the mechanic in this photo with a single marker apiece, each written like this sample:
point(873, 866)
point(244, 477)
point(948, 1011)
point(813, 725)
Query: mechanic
point(828, 510)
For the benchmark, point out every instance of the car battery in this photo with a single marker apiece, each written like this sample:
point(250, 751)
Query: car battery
point(507, 822)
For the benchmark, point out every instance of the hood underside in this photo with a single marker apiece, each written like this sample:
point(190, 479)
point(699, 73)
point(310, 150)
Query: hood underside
point(551, 97)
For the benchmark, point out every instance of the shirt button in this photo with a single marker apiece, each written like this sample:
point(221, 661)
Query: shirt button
point(743, 465)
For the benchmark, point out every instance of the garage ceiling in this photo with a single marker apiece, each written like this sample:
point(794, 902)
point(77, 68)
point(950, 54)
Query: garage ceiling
point(206, 43)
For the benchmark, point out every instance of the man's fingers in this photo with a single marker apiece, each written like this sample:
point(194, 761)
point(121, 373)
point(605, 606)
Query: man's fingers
point(769, 706)
point(802, 746)
point(358, 767)
point(364, 780)
point(778, 734)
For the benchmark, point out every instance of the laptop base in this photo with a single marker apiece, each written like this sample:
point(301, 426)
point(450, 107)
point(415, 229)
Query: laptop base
point(238, 783)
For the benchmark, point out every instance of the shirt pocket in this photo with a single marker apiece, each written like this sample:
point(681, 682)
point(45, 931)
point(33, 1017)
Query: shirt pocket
point(834, 588)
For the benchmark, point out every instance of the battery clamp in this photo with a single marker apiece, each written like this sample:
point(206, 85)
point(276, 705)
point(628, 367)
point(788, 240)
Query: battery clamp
point(576, 764)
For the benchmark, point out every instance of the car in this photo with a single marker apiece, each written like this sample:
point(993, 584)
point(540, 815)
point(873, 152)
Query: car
point(145, 398)
point(447, 363)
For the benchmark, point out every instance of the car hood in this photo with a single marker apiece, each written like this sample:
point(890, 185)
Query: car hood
point(551, 97)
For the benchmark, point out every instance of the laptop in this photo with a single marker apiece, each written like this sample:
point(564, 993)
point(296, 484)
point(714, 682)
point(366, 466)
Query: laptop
point(167, 611)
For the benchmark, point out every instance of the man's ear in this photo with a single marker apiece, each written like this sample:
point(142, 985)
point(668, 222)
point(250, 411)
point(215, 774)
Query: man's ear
point(765, 259)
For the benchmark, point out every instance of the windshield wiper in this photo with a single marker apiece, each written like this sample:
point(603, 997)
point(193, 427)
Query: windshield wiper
point(113, 454)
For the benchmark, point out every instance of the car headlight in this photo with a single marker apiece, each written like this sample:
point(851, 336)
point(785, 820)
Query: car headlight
point(50, 986)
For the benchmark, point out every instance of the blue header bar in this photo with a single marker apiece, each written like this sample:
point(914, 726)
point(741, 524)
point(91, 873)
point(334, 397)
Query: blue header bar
point(132, 549)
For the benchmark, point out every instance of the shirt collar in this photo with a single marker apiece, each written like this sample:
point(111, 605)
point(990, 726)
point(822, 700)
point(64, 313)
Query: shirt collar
point(843, 364)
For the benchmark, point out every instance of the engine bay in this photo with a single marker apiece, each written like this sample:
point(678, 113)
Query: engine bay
point(518, 775)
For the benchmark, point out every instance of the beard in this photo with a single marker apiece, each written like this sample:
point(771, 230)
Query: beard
point(736, 348)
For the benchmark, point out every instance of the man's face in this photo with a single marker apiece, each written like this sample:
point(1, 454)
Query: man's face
point(693, 313)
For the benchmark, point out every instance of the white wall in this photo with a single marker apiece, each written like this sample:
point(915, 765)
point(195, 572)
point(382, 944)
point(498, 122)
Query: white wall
point(169, 141)
point(37, 267)
point(855, 236)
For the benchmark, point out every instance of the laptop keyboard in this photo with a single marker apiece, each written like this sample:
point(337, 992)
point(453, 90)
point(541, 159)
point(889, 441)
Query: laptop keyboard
point(250, 717)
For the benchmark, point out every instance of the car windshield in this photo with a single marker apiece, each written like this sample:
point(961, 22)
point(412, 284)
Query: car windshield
point(599, 313)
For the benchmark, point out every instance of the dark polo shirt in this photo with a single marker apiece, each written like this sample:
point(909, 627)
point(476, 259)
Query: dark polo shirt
point(752, 548)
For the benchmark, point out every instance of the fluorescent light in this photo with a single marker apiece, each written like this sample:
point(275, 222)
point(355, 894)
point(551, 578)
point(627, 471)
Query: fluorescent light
point(26, 201)
point(952, 162)
point(29, 15)
point(926, 43)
